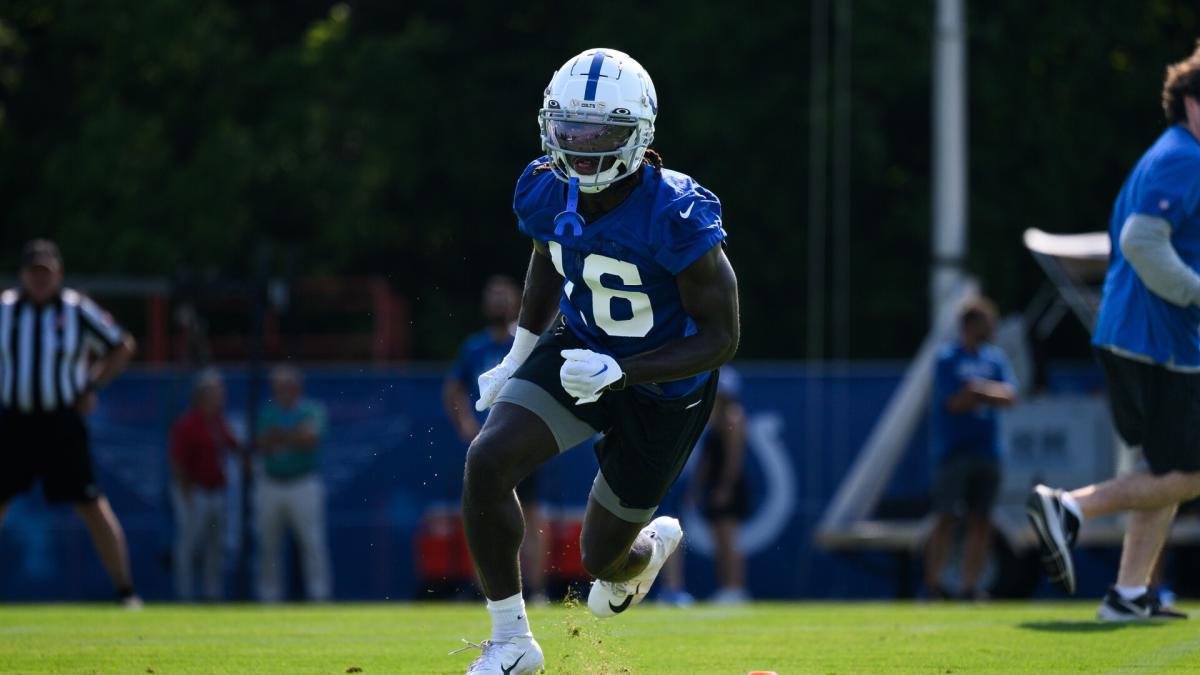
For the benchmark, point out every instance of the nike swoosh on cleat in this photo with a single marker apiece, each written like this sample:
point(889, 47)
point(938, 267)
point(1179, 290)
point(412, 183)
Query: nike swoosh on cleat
point(617, 609)
point(688, 211)
point(509, 669)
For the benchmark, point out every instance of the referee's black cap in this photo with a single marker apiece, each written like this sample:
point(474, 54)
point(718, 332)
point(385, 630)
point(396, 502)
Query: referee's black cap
point(41, 253)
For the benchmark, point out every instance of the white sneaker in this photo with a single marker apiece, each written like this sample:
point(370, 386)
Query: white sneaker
point(610, 598)
point(511, 657)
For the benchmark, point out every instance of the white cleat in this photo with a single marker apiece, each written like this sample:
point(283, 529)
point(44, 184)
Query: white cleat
point(610, 598)
point(511, 657)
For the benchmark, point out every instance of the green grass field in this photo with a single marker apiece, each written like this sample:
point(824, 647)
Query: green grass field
point(787, 638)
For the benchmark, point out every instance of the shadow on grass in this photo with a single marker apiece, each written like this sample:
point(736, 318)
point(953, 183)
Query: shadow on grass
point(1085, 626)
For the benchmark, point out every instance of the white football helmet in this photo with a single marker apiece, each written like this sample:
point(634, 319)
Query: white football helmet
point(597, 118)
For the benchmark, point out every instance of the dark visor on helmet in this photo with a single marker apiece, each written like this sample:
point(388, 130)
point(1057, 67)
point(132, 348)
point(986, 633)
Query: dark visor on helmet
point(588, 137)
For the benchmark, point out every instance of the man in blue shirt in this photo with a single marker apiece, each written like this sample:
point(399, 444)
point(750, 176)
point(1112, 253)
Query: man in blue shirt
point(1148, 341)
point(479, 353)
point(972, 381)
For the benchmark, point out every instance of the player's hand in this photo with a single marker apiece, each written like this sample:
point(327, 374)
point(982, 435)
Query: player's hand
point(491, 382)
point(585, 374)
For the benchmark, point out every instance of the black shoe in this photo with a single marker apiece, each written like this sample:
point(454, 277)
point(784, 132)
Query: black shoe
point(1057, 529)
point(1160, 611)
point(1142, 608)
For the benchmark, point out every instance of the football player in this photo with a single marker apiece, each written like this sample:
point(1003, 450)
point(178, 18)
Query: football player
point(636, 307)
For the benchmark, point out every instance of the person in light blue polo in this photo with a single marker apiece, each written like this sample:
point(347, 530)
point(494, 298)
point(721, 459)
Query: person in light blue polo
point(290, 493)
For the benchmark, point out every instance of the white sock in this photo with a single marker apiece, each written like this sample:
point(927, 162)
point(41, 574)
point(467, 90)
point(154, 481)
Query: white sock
point(1071, 505)
point(509, 619)
point(1130, 592)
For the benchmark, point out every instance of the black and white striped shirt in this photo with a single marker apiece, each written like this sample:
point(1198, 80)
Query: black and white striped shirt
point(45, 350)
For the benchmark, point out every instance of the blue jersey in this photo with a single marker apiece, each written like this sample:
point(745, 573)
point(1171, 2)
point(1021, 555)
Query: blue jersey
point(1164, 184)
point(479, 353)
point(619, 294)
point(975, 432)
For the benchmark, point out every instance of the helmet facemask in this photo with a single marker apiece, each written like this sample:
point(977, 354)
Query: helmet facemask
point(596, 148)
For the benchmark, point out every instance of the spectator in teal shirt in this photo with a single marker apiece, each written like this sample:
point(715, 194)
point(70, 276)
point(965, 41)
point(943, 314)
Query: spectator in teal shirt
point(290, 495)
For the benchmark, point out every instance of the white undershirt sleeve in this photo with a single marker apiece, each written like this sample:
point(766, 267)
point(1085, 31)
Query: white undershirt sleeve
point(1146, 243)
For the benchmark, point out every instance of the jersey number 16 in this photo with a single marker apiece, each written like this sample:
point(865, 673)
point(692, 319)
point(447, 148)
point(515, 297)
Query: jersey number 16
point(596, 266)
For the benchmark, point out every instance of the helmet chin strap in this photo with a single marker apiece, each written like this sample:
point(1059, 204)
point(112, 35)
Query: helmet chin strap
point(570, 216)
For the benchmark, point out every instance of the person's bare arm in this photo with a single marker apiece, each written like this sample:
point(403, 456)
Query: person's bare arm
point(543, 285)
point(539, 304)
point(105, 370)
point(976, 393)
point(305, 436)
point(708, 288)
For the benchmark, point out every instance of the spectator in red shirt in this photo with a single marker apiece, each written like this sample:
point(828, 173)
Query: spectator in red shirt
point(200, 440)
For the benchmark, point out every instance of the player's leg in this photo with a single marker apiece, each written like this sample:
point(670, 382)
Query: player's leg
point(1056, 515)
point(1136, 491)
point(214, 546)
point(109, 539)
point(647, 445)
point(983, 485)
point(184, 552)
point(1130, 599)
point(512, 443)
point(731, 580)
point(1145, 534)
point(613, 547)
point(68, 476)
point(271, 521)
point(976, 546)
point(308, 512)
point(949, 487)
point(532, 420)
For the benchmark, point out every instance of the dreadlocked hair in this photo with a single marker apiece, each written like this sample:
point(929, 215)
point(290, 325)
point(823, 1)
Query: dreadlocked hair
point(651, 157)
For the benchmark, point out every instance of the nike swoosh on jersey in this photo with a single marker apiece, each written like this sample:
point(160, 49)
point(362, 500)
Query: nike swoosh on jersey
point(688, 211)
point(509, 669)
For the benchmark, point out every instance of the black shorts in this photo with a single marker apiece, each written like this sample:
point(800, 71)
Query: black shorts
point(646, 440)
point(52, 447)
point(966, 484)
point(1155, 409)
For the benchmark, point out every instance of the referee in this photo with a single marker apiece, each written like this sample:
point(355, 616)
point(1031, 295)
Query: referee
point(57, 348)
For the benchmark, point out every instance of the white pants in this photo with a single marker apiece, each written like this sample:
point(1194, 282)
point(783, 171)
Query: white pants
point(199, 533)
point(298, 506)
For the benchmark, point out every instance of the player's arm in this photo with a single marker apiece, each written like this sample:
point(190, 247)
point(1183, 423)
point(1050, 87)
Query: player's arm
point(708, 289)
point(539, 304)
point(1146, 244)
point(978, 392)
point(543, 284)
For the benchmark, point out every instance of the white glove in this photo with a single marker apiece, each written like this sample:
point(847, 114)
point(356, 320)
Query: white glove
point(585, 374)
point(491, 381)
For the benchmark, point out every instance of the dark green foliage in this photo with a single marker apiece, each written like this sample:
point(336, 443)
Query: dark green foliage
point(383, 137)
